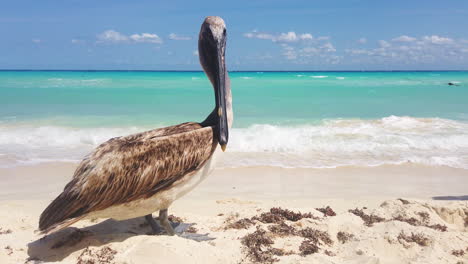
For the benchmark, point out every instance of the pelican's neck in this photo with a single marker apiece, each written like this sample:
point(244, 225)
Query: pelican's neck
point(230, 114)
point(212, 118)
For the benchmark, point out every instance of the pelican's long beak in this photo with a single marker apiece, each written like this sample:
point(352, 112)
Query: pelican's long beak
point(220, 86)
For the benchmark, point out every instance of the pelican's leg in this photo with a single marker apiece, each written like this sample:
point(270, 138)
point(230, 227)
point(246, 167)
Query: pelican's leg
point(180, 228)
point(165, 222)
point(156, 228)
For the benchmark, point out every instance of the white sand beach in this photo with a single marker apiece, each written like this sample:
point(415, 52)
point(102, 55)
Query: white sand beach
point(408, 214)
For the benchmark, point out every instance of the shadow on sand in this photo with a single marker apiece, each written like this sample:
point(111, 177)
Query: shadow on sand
point(58, 245)
point(451, 198)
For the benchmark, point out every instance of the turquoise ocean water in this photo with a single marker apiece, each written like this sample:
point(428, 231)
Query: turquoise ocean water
point(288, 119)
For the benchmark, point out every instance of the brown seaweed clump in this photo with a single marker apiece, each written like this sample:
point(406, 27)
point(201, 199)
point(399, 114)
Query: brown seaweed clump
point(308, 247)
point(278, 215)
point(103, 256)
point(282, 229)
point(419, 238)
point(9, 250)
point(458, 253)
point(191, 229)
point(344, 237)
point(243, 223)
point(258, 246)
point(369, 220)
point(281, 252)
point(424, 217)
point(403, 201)
point(175, 219)
point(316, 236)
point(327, 211)
point(424, 222)
point(5, 231)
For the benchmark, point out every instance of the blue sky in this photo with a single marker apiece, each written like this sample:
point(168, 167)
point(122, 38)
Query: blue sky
point(262, 34)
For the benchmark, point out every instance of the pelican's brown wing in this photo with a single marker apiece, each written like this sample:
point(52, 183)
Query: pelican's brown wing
point(129, 168)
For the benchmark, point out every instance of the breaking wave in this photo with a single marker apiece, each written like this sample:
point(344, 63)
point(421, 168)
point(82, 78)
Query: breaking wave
point(331, 143)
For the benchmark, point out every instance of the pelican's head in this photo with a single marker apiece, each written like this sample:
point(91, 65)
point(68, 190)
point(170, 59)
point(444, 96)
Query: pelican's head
point(211, 49)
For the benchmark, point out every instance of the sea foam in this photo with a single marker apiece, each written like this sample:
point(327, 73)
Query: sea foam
point(331, 143)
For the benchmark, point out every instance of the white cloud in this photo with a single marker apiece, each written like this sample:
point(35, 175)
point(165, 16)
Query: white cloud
point(174, 36)
point(434, 39)
point(411, 50)
point(404, 38)
point(112, 36)
point(195, 53)
point(36, 40)
point(306, 36)
point(300, 48)
point(146, 37)
point(259, 35)
point(362, 40)
point(288, 37)
point(328, 47)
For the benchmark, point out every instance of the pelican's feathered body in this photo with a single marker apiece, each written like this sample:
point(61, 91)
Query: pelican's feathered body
point(139, 174)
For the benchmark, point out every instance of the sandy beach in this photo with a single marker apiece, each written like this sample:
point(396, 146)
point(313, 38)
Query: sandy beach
point(399, 214)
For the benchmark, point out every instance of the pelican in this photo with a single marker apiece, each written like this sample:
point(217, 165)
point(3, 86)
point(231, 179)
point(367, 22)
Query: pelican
point(136, 175)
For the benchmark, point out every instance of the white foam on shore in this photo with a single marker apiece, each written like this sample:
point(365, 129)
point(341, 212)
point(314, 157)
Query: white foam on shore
point(332, 143)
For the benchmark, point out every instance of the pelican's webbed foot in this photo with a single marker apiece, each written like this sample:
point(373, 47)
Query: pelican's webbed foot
point(197, 237)
point(156, 228)
point(174, 228)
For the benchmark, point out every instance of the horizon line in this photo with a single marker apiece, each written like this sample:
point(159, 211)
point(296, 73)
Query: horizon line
point(108, 70)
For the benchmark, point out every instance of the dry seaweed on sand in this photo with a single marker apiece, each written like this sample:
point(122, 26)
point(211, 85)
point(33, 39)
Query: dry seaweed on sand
point(9, 250)
point(403, 201)
point(369, 220)
point(103, 256)
point(344, 237)
point(281, 252)
point(458, 253)
point(191, 229)
point(439, 227)
point(412, 221)
point(258, 246)
point(282, 229)
point(278, 214)
point(5, 231)
point(415, 222)
point(175, 219)
point(243, 223)
point(316, 236)
point(308, 247)
point(418, 238)
point(327, 211)
point(424, 217)
point(74, 238)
